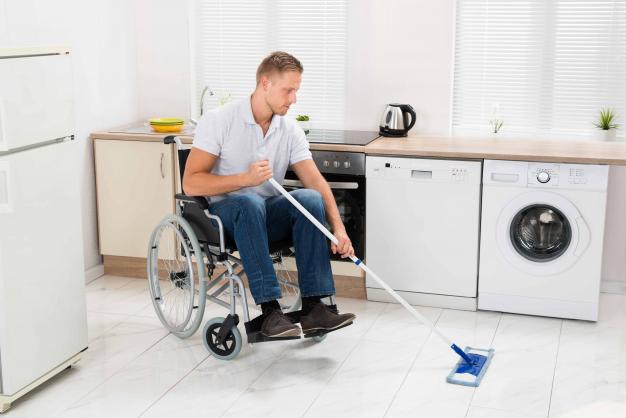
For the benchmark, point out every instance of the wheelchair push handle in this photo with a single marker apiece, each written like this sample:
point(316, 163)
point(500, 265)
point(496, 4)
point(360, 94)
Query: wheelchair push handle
point(173, 139)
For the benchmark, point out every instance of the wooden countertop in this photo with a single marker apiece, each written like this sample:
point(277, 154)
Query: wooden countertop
point(564, 151)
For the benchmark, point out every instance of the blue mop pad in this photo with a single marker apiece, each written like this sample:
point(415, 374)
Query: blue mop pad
point(471, 368)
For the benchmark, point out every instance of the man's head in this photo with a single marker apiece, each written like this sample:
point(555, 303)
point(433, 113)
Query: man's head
point(278, 79)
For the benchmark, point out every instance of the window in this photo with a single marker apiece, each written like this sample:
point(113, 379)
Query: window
point(546, 67)
point(232, 37)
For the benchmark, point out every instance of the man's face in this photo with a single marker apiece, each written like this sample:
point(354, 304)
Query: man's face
point(280, 90)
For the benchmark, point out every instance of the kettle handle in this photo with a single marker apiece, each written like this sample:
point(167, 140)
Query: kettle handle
point(406, 108)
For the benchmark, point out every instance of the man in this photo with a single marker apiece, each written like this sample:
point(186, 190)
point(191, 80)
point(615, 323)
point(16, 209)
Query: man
point(236, 149)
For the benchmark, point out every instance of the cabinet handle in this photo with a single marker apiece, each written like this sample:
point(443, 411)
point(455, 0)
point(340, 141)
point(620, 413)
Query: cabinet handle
point(162, 173)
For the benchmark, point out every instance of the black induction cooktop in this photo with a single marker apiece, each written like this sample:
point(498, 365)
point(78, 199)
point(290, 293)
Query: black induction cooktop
point(332, 136)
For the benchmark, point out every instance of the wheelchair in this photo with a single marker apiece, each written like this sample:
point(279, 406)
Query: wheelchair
point(184, 251)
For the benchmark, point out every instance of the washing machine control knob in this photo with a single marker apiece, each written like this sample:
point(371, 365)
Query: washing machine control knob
point(543, 177)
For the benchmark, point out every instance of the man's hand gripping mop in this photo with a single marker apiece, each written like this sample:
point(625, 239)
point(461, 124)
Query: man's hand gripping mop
point(474, 362)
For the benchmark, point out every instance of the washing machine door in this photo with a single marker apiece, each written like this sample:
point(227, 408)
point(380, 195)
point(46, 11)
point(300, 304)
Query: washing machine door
point(541, 233)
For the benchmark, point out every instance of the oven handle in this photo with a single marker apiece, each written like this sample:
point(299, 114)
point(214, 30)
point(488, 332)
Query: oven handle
point(335, 185)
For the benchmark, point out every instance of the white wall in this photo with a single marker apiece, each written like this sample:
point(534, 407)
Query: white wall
point(400, 51)
point(102, 36)
point(163, 55)
point(614, 262)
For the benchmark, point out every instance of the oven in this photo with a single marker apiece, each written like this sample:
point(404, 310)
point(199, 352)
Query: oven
point(345, 174)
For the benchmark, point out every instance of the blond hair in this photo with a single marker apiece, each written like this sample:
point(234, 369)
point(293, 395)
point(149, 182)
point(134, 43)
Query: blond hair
point(279, 62)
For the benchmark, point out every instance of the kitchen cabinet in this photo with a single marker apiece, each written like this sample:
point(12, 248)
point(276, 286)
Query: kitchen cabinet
point(135, 184)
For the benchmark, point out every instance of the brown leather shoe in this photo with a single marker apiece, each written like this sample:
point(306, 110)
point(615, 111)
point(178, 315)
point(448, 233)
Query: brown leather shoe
point(278, 325)
point(323, 318)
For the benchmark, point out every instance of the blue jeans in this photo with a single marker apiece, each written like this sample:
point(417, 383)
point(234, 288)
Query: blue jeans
point(253, 222)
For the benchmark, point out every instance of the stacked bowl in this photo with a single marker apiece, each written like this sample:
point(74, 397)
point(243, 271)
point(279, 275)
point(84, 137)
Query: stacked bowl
point(167, 124)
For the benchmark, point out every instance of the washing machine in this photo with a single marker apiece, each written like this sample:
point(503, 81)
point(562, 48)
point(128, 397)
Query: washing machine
point(542, 228)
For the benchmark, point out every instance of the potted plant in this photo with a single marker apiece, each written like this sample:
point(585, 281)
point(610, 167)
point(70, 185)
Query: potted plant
point(496, 124)
point(303, 121)
point(606, 124)
point(223, 98)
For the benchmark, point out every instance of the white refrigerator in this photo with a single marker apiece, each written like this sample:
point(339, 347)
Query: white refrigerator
point(43, 326)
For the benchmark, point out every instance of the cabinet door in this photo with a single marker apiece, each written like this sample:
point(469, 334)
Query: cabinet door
point(135, 187)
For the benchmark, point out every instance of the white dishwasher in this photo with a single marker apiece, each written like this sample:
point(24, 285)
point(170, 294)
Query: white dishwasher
point(422, 226)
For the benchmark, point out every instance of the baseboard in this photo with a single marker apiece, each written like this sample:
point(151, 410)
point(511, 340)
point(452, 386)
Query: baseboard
point(93, 273)
point(524, 305)
point(346, 285)
point(424, 299)
point(613, 286)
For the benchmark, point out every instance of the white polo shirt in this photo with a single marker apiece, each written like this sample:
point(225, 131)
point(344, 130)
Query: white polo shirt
point(231, 133)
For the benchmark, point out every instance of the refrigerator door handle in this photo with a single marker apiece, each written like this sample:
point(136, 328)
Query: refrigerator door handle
point(3, 146)
point(5, 188)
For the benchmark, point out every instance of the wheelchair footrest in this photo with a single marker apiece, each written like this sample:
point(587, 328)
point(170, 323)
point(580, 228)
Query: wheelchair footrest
point(258, 337)
point(325, 331)
point(253, 329)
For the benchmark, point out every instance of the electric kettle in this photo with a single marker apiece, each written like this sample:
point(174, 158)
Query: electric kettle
point(396, 121)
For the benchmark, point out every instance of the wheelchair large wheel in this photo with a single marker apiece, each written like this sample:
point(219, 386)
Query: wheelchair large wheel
point(177, 278)
point(225, 350)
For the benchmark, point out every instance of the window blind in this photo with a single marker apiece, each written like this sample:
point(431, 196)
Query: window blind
point(231, 37)
point(546, 68)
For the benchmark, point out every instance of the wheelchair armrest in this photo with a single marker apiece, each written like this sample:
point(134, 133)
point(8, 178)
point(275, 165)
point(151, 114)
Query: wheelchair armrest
point(201, 201)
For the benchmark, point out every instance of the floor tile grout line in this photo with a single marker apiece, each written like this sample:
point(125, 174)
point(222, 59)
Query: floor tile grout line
point(495, 333)
point(174, 385)
point(556, 362)
point(413, 363)
point(306, 411)
point(95, 338)
point(278, 357)
point(116, 373)
point(103, 278)
point(331, 377)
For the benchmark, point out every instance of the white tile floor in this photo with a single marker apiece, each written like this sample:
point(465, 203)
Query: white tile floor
point(386, 364)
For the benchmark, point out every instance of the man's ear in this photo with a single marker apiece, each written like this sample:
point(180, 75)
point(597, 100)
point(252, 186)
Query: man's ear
point(265, 82)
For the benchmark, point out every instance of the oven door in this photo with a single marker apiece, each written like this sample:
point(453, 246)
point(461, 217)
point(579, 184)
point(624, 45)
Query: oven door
point(349, 193)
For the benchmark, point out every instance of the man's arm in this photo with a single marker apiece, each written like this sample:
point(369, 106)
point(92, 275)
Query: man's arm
point(311, 178)
point(199, 181)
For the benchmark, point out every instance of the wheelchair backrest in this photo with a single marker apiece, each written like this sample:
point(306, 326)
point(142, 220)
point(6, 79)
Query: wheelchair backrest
point(183, 154)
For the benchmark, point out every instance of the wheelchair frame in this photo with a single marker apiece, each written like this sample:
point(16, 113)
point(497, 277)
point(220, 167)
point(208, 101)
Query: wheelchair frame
point(219, 255)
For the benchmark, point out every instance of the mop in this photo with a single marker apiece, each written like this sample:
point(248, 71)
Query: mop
point(473, 363)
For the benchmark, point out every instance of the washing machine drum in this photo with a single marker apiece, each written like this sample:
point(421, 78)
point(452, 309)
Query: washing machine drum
point(540, 233)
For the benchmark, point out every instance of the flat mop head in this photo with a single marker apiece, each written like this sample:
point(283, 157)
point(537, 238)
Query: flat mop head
point(471, 374)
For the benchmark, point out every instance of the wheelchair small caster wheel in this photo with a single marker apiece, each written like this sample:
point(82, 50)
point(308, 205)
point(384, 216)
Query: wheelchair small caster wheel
point(319, 338)
point(229, 348)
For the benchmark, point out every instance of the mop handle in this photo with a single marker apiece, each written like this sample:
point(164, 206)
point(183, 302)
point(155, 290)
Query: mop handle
point(358, 262)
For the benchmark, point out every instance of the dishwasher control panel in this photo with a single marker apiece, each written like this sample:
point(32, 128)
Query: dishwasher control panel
point(424, 169)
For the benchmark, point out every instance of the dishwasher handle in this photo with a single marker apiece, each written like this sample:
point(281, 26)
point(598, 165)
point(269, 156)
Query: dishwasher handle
point(422, 174)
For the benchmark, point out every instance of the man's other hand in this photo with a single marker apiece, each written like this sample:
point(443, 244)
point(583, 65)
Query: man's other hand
point(344, 245)
point(258, 172)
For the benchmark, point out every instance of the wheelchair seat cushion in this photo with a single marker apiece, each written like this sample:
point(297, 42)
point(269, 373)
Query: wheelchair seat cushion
point(207, 231)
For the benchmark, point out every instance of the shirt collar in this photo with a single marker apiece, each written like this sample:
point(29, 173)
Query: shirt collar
point(249, 117)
